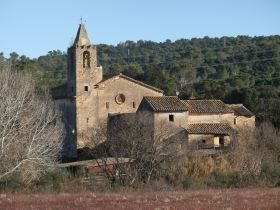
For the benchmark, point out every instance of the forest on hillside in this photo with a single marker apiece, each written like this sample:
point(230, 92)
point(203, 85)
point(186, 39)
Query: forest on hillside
point(238, 69)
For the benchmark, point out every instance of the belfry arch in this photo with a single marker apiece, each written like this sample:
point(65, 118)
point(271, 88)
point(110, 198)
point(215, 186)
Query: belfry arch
point(86, 59)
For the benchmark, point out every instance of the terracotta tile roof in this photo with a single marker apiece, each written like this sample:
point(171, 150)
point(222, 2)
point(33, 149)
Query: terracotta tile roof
point(210, 128)
point(206, 106)
point(240, 110)
point(106, 79)
point(165, 103)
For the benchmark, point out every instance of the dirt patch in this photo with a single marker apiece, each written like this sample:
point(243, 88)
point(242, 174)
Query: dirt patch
point(260, 198)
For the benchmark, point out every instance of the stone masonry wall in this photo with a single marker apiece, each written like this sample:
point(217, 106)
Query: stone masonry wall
point(211, 118)
point(95, 105)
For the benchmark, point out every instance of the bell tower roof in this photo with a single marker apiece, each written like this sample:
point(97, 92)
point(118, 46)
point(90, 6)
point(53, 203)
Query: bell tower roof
point(82, 36)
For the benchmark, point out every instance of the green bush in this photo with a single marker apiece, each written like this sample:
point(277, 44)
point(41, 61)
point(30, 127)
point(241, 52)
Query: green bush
point(50, 180)
point(11, 185)
point(271, 175)
point(188, 183)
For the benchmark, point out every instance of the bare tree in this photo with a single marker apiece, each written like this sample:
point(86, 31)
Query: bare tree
point(136, 149)
point(186, 77)
point(246, 154)
point(30, 128)
point(269, 143)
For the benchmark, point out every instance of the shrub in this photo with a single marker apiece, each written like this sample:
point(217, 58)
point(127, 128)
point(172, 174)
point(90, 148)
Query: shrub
point(188, 183)
point(11, 185)
point(230, 180)
point(271, 175)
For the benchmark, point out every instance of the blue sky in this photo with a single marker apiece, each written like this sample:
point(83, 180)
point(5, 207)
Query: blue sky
point(34, 27)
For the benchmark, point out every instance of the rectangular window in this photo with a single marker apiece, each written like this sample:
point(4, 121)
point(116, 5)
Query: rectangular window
point(221, 141)
point(107, 105)
point(87, 120)
point(86, 88)
point(171, 118)
point(234, 121)
point(133, 104)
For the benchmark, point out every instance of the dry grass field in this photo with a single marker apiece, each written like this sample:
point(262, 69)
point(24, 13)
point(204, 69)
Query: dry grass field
point(249, 198)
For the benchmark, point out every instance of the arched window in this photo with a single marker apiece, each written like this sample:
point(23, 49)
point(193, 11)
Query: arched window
point(86, 59)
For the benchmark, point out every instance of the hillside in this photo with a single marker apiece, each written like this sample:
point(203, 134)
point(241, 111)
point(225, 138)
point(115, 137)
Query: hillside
point(235, 69)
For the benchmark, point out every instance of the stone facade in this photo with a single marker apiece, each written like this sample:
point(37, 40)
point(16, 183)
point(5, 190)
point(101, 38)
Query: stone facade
point(243, 118)
point(166, 117)
point(167, 111)
point(211, 118)
point(208, 141)
point(242, 121)
point(67, 107)
point(180, 119)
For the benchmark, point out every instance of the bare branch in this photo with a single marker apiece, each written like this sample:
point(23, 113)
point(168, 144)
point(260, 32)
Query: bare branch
point(30, 126)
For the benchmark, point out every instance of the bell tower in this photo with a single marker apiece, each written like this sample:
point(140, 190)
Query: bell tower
point(83, 72)
point(82, 75)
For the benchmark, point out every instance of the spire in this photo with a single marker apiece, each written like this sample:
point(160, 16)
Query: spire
point(82, 36)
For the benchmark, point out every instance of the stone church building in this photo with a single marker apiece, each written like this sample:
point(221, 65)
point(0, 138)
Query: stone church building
point(91, 96)
point(91, 99)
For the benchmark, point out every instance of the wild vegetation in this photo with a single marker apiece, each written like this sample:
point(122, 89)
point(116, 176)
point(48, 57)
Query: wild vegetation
point(238, 70)
point(251, 161)
point(145, 150)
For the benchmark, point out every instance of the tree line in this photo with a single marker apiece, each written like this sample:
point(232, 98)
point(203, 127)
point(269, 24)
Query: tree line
point(238, 69)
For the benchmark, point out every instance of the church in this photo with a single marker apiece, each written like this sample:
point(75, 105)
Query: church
point(92, 98)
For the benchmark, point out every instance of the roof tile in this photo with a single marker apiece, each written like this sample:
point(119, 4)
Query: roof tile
point(240, 110)
point(165, 103)
point(207, 106)
point(210, 128)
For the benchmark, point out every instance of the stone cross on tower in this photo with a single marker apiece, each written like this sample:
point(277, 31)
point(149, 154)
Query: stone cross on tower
point(82, 21)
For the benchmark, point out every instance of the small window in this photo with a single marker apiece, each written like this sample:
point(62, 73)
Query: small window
point(87, 120)
point(107, 105)
point(86, 88)
point(171, 118)
point(203, 141)
point(234, 121)
point(133, 104)
point(221, 141)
